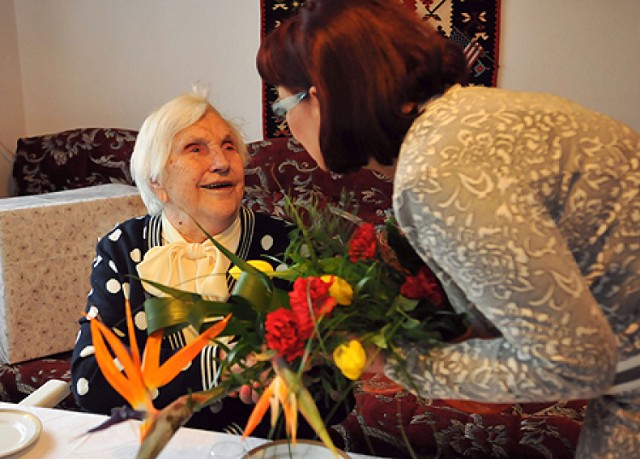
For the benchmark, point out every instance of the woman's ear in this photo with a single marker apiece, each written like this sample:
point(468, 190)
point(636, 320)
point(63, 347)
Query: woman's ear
point(158, 190)
point(313, 98)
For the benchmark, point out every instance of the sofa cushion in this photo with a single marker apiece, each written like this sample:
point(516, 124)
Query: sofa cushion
point(86, 157)
point(435, 428)
point(73, 159)
point(282, 165)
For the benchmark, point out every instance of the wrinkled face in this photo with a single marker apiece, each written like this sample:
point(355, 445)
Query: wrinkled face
point(304, 123)
point(203, 177)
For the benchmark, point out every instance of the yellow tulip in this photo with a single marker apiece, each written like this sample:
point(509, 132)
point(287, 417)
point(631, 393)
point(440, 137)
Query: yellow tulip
point(351, 359)
point(260, 265)
point(340, 289)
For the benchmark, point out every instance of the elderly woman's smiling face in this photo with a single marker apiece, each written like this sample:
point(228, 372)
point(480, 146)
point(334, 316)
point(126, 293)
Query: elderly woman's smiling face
point(203, 178)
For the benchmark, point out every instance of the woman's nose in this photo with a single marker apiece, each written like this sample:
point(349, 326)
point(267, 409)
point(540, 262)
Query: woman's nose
point(219, 161)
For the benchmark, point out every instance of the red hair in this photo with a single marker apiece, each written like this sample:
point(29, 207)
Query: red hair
point(367, 59)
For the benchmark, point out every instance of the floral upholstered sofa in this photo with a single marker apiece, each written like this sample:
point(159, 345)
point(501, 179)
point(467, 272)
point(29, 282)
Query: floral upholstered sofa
point(382, 418)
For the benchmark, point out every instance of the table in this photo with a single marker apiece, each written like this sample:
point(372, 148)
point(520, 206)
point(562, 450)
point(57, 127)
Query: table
point(63, 436)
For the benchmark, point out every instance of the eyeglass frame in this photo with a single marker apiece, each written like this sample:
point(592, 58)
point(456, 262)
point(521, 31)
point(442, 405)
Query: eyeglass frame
point(283, 106)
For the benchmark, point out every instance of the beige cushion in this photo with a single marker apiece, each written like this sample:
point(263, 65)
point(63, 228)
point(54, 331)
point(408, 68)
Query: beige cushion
point(47, 245)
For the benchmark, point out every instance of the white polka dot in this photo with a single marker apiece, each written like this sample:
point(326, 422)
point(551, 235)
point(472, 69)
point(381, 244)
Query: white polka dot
point(118, 364)
point(216, 406)
point(281, 267)
point(135, 255)
point(118, 332)
point(93, 312)
point(113, 266)
point(82, 386)
point(87, 351)
point(97, 260)
point(266, 242)
point(125, 289)
point(113, 286)
point(90, 293)
point(140, 320)
point(114, 236)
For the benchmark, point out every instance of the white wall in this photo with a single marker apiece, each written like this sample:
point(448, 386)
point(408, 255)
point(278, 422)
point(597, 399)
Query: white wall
point(12, 124)
point(87, 63)
point(586, 50)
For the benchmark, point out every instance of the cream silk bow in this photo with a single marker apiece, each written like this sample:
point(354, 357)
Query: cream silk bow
point(194, 267)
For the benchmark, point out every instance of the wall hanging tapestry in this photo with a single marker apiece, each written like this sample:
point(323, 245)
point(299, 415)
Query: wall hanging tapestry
point(472, 24)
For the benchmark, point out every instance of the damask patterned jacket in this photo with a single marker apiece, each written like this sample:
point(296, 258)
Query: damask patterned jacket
point(527, 207)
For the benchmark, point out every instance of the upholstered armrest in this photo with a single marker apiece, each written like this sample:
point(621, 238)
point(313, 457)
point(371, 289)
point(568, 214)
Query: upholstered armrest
point(49, 395)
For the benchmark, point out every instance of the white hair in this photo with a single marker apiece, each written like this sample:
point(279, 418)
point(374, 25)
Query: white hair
point(154, 141)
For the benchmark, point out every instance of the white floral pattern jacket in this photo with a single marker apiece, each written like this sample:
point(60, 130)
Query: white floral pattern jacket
point(527, 207)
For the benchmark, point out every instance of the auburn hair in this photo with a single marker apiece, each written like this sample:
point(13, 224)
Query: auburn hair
point(369, 60)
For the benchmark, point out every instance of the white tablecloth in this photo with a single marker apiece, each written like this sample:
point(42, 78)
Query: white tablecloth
point(63, 436)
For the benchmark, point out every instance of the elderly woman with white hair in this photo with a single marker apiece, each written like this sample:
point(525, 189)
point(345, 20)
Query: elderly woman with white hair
point(188, 163)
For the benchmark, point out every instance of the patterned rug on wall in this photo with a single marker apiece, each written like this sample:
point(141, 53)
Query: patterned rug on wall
point(474, 25)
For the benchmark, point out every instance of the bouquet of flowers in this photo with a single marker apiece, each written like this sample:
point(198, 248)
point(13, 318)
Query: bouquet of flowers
point(350, 290)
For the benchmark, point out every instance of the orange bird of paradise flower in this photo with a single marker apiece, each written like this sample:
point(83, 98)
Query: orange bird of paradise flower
point(141, 378)
point(287, 390)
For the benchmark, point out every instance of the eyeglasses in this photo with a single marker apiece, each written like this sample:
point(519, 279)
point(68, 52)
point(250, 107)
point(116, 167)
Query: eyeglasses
point(282, 106)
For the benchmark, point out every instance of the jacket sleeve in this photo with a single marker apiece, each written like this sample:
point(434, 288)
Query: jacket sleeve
point(503, 253)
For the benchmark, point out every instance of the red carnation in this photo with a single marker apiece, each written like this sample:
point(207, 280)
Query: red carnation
point(314, 291)
point(423, 286)
point(363, 243)
point(282, 334)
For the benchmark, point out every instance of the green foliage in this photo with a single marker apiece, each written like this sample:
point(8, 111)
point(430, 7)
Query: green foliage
point(319, 245)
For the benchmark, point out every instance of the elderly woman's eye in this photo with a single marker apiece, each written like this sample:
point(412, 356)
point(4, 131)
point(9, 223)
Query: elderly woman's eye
point(193, 148)
point(229, 146)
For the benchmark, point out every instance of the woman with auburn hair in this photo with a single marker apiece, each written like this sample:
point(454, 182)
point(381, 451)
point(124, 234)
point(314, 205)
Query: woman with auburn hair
point(525, 205)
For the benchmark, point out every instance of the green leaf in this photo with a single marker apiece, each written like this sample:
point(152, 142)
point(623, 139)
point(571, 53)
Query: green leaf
point(279, 299)
point(404, 304)
point(252, 291)
point(380, 337)
point(175, 313)
point(170, 291)
point(410, 323)
point(306, 404)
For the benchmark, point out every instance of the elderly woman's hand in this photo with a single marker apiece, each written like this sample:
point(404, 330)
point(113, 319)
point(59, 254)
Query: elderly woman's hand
point(249, 393)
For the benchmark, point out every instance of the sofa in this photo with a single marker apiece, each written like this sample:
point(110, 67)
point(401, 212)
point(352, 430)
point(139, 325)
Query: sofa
point(81, 158)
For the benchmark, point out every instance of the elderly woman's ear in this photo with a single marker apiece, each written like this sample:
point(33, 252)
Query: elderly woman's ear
point(158, 190)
